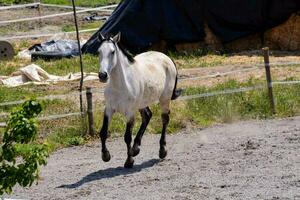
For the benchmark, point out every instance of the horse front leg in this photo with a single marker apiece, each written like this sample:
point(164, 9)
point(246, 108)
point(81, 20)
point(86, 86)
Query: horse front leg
point(104, 132)
point(128, 138)
point(146, 115)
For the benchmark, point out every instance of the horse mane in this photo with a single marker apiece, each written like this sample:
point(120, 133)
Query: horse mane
point(129, 56)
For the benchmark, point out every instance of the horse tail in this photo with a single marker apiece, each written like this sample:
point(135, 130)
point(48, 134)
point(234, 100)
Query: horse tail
point(176, 92)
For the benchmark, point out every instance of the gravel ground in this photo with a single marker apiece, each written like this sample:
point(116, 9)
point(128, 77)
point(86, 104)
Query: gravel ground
point(245, 160)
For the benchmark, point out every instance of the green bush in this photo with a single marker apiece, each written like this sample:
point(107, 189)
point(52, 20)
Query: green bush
point(20, 160)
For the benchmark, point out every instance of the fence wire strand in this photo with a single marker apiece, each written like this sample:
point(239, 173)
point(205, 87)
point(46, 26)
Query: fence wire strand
point(47, 34)
point(52, 117)
point(285, 82)
point(56, 15)
point(18, 6)
point(216, 93)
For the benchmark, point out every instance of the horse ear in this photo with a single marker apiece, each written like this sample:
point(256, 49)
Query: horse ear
point(100, 37)
point(117, 37)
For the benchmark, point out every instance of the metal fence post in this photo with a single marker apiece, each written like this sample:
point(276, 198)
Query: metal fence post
point(89, 98)
point(269, 78)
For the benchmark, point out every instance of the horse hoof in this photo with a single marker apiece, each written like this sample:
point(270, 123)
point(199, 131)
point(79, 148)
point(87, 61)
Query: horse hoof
point(135, 150)
point(129, 163)
point(106, 156)
point(162, 153)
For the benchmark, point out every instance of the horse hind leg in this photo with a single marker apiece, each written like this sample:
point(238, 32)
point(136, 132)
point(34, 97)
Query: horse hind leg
point(165, 121)
point(146, 115)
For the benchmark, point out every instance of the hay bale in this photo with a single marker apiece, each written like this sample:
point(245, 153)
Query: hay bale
point(161, 46)
point(285, 36)
point(251, 42)
point(189, 46)
point(211, 41)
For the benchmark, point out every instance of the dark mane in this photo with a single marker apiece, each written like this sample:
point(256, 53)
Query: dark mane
point(129, 56)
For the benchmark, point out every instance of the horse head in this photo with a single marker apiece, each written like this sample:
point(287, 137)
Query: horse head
point(107, 55)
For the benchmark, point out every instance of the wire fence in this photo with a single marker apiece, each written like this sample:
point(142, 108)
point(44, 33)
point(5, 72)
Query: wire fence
point(245, 68)
point(102, 8)
point(101, 90)
point(47, 34)
point(216, 75)
point(182, 98)
point(108, 9)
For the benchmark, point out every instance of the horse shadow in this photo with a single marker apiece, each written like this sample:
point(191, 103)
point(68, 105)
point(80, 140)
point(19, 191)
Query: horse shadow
point(110, 173)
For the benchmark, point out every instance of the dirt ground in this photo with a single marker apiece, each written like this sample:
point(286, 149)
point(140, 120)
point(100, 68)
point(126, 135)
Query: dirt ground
point(44, 26)
point(245, 160)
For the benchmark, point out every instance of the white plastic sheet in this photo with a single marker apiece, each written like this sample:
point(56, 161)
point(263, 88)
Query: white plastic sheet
point(34, 74)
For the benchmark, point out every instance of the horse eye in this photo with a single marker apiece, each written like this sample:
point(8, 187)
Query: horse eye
point(113, 52)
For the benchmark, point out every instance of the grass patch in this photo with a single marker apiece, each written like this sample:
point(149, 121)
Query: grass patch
point(54, 107)
point(201, 112)
point(65, 138)
point(8, 67)
point(92, 3)
point(246, 105)
point(65, 66)
point(7, 2)
point(62, 133)
point(197, 58)
point(12, 94)
point(35, 91)
point(60, 67)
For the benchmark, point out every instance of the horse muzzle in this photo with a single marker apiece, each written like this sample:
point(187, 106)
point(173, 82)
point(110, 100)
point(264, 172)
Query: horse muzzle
point(103, 77)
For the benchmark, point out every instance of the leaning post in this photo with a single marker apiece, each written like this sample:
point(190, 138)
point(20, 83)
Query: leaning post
point(89, 99)
point(269, 78)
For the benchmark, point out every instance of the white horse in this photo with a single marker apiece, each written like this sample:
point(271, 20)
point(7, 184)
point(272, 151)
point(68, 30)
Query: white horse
point(133, 85)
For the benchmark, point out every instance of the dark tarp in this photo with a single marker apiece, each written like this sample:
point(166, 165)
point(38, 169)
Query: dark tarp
point(145, 22)
point(54, 49)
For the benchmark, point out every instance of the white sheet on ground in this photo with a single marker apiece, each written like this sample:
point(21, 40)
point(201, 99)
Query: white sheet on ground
point(33, 74)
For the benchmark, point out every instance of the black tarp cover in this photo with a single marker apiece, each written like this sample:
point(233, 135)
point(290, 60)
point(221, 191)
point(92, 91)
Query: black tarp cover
point(145, 22)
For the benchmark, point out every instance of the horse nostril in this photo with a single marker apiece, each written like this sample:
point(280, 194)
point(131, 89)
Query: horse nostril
point(102, 75)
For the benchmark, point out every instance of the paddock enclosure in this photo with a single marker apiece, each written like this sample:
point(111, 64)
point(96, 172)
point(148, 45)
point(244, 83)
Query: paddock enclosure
point(233, 134)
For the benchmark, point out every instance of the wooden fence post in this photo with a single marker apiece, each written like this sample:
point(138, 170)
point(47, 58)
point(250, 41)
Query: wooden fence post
point(269, 78)
point(89, 99)
point(40, 13)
